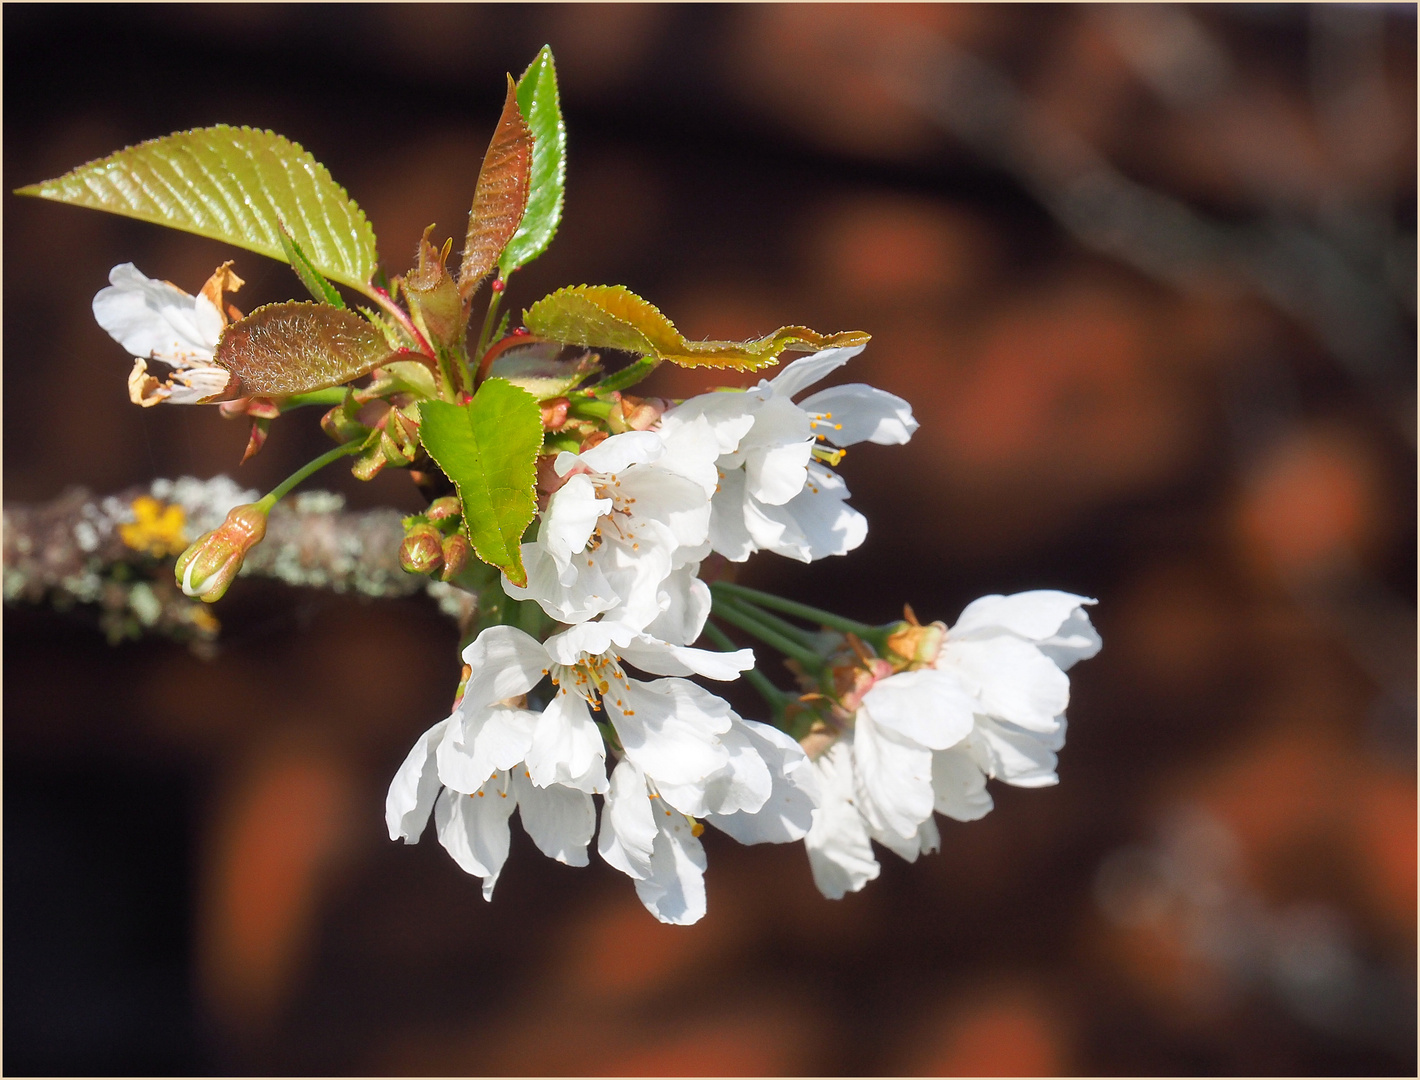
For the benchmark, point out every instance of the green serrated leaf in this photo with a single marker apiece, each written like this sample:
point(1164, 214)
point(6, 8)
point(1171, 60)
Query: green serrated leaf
point(323, 291)
point(231, 184)
point(614, 317)
point(489, 449)
point(295, 347)
point(542, 108)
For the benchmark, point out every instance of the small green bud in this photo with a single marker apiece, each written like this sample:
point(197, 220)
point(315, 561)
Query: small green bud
point(446, 507)
point(422, 551)
point(211, 561)
point(456, 552)
point(342, 427)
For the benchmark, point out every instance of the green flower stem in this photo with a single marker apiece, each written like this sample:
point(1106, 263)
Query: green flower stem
point(767, 634)
point(777, 699)
point(629, 375)
point(281, 490)
point(399, 315)
point(804, 637)
point(490, 320)
point(591, 408)
point(335, 395)
point(876, 635)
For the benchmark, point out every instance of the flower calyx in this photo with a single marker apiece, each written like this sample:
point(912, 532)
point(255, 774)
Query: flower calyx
point(209, 564)
point(911, 646)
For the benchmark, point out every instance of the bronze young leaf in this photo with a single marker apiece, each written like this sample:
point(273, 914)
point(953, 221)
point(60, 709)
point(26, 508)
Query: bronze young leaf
point(294, 348)
point(500, 197)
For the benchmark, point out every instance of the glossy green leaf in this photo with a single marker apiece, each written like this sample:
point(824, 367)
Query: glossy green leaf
point(541, 107)
point(489, 449)
point(500, 196)
point(231, 184)
point(614, 317)
point(294, 348)
point(311, 278)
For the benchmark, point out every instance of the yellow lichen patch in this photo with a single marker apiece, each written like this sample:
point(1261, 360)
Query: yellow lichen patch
point(157, 528)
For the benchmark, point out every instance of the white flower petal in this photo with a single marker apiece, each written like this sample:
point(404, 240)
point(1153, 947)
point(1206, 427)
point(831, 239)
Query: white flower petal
point(776, 474)
point(675, 891)
point(569, 520)
point(926, 841)
point(857, 413)
point(692, 445)
point(414, 788)
point(788, 813)
point(1011, 678)
point(807, 370)
point(840, 852)
point(743, 785)
point(485, 741)
point(927, 706)
point(894, 779)
point(567, 747)
point(589, 595)
point(474, 830)
point(729, 534)
point(651, 493)
point(1076, 640)
point(155, 319)
point(1020, 758)
point(658, 658)
point(1036, 615)
point(960, 786)
point(730, 415)
point(670, 728)
point(560, 820)
point(814, 524)
point(686, 606)
point(628, 831)
point(506, 662)
point(613, 455)
point(589, 639)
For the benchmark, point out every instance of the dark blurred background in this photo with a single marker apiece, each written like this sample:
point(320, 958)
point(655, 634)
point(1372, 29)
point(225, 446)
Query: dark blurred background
point(1147, 275)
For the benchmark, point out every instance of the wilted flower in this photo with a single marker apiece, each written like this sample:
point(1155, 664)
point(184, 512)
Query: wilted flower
point(155, 320)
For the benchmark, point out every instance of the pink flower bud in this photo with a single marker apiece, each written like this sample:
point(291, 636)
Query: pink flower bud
point(210, 562)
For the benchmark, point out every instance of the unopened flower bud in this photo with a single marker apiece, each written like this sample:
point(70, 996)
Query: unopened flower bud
point(445, 507)
point(422, 551)
point(456, 552)
point(210, 563)
point(340, 426)
point(917, 645)
point(554, 412)
point(636, 414)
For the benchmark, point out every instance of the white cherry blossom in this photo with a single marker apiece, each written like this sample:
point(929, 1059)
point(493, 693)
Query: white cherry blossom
point(155, 320)
point(633, 510)
point(1010, 653)
point(777, 491)
point(649, 830)
point(988, 702)
point(491, 755)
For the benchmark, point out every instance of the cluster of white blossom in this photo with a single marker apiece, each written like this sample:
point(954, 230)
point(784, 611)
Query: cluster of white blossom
point(615, 563)
point(616, 558)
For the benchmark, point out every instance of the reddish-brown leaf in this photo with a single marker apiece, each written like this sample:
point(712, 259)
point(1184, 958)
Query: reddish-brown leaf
point(501, 195)
point(293, 348)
